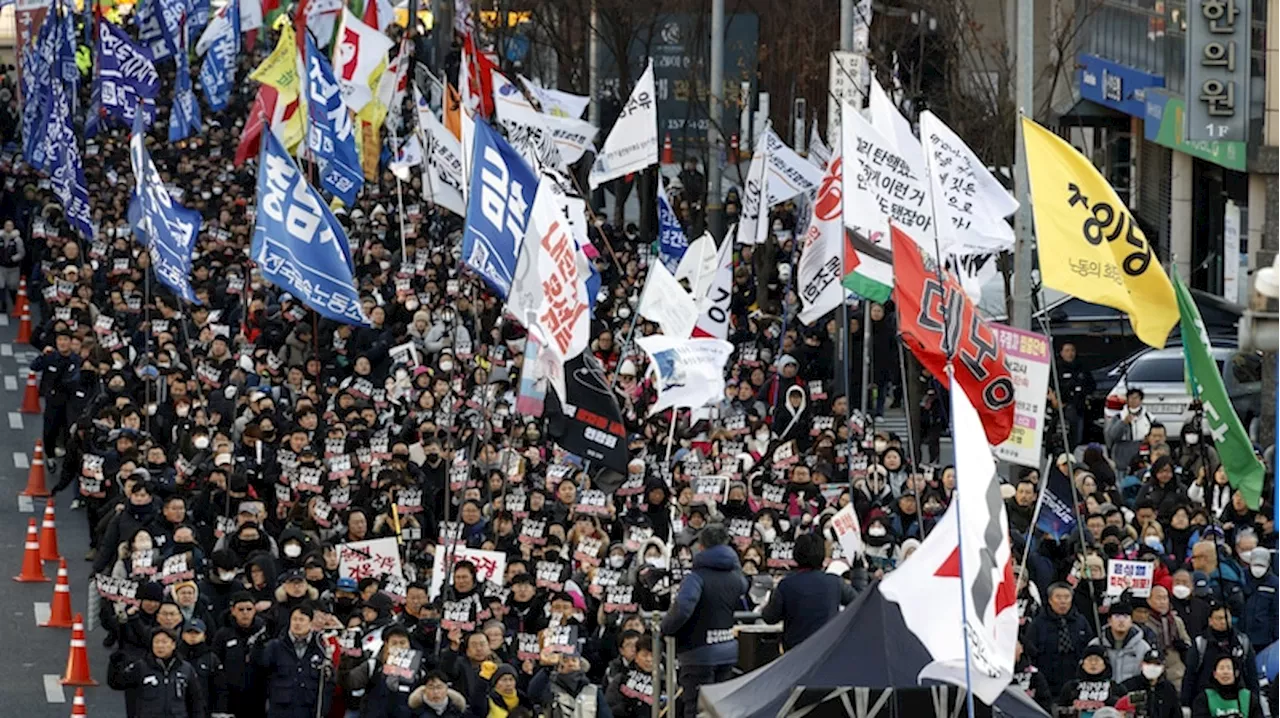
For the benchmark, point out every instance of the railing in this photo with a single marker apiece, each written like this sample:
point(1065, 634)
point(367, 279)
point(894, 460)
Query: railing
point(664, 658)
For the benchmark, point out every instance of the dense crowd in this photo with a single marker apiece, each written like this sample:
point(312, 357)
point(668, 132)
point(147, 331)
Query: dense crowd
point(225, 454)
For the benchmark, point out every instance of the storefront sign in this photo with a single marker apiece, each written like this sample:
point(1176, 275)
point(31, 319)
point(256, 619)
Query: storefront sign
point(1218, 70)
point(1166, 124)
point(1113, 85)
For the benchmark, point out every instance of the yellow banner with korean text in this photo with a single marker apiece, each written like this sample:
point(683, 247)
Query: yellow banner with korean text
point(1090, 246)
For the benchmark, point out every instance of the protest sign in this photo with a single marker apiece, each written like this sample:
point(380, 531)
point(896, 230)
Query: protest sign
point(1136, 577)
point(369, 559)
point(490, 565)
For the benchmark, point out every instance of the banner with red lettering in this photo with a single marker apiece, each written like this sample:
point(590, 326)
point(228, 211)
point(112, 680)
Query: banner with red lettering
point(927, 308)
point(588, 422)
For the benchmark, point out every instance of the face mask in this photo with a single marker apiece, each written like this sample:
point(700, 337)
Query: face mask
point(151, 409)
point(200, 442)
point(446, 366)
point(617, 561)
point(1192, 439)
point(768, 535)
point(292, 550)
point(1245, 556)
point(1181, 592)
point(1152, 671)
point(876, 531)
point(656, 561)
point(227, 575)
point(1258, 571)
point(220, 458)
point(1154, 543)
point(183, 411)
point(880, 445)
point(762, 435)
point(624, 313)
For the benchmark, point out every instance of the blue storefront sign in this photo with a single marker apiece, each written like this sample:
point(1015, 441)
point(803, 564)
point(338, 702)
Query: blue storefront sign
point(1116, 86)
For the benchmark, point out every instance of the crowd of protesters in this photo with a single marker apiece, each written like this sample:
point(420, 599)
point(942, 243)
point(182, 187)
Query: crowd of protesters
point(217, 432)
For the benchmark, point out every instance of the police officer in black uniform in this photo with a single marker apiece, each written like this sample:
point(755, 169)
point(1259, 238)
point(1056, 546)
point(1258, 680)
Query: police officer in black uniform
point(162, 685)
point(59, 377)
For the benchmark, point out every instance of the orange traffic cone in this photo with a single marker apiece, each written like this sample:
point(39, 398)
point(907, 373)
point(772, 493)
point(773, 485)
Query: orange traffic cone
point(49, 535)
point(35, 477)
point(77, 673)
point(668, 155)
point(77, 705)
point(733, 149)
point(60, 609)
point(24, 327)
point(31, 399)
point(20, 303)
point(32, 569)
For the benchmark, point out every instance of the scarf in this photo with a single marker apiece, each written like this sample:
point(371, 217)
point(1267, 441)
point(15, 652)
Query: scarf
point(438, 708)
point(1166, 628)
point(1066, 644)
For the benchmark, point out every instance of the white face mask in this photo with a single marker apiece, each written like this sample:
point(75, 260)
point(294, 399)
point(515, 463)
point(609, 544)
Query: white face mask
point(762, 435)
point(183, 411)
point(1191, 439)
point(142, 545)
point(152, 409)
point(446, 366)
point(227, 575)
point(880, 445)
point(200, 442)
point(292, 550)
point(1258, 571)
point(876, 531)
point(617, 561)
point(1152, 671)
point(768, 535)
point(1180, 592)
point(656, 561)
point(1245, 555)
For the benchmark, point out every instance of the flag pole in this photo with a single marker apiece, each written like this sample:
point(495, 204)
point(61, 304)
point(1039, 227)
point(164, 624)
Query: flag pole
point(964, 598)
point(404, 251)
point(1035, 515)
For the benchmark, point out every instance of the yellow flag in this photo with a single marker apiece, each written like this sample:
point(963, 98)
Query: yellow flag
point(280, 70)
point(1090, 245)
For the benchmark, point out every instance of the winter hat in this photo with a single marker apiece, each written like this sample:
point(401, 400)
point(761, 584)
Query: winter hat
point(506, 669)
point(1260, 557)
point(1095, 650)
point(151, 591)
point(1120, 608)
point(180, 584)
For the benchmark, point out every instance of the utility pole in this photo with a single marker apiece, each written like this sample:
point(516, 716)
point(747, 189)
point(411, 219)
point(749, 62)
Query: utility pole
point(593, 66)
point(846, 25)
point(715, 115)
point(1025, 99)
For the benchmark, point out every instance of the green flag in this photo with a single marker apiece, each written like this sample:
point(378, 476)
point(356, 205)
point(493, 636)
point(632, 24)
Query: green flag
point(1204, 381)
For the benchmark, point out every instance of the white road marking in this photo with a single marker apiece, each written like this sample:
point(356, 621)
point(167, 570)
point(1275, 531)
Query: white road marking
point(15, 420)
point(11, 383)
point(42, 612)
point(20, 460)
point(53, 688)
point(26, 504)
point(4, 320)
point(6, 350)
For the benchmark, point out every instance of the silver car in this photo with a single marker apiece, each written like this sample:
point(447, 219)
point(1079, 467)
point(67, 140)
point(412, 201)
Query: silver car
point(1160, 374)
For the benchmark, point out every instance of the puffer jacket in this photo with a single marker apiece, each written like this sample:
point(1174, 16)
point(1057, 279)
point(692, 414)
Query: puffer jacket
point(1125, 655)
point(701, 616)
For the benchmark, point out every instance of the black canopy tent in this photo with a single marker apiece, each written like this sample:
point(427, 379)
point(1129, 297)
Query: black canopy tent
point(867, 646)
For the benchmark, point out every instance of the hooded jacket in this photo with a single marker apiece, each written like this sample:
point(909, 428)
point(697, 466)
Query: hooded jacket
point(1126, 655)
point(701, 616)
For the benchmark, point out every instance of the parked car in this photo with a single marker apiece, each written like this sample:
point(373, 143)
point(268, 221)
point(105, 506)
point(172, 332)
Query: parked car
point(1160, 374)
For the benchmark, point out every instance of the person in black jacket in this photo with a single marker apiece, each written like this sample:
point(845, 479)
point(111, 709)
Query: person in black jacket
point(1151, 689)
point(196, 651)
point(297, 670)
point(1076, 384)
point(60, 375)
point(1059, 634)
point(701, 617)
point(238, 645)
point(1092, 688)
point(162, 685)
point(806, 599)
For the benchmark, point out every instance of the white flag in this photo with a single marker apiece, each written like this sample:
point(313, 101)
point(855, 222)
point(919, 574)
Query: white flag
point(713, 305)
point(556, 102)
point(361, 51)
point(466, 119)
point(407, 157)
point(927, 587)
point(394, 83)
point(819, 153)
point(972, 204)
point(217, 27)
point(666, 302)
point(688, 373)
point(781, 175)
point(822, 258)
point(632, 144)
point(250, 15)
point(549, 292)
point(543, 140)
point(698, 265)
point(442, 153)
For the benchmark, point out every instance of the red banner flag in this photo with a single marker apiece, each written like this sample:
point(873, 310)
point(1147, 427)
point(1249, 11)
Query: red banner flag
point(927, 308)
point(260, 116)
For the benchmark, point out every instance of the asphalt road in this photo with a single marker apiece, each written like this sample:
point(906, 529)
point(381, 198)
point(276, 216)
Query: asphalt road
point(32, 659)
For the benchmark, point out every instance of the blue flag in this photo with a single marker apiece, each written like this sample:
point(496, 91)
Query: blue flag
point(1057, 510)
point(498, 207)
point(672, 243)
point(298, 243)
point(198, 18)
point(184, 115)
point(330, 136)
point(126, 77)
point(64, 166)
point(167, 229)
point(160, 26)
point(38, 61)
point(218, 73)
